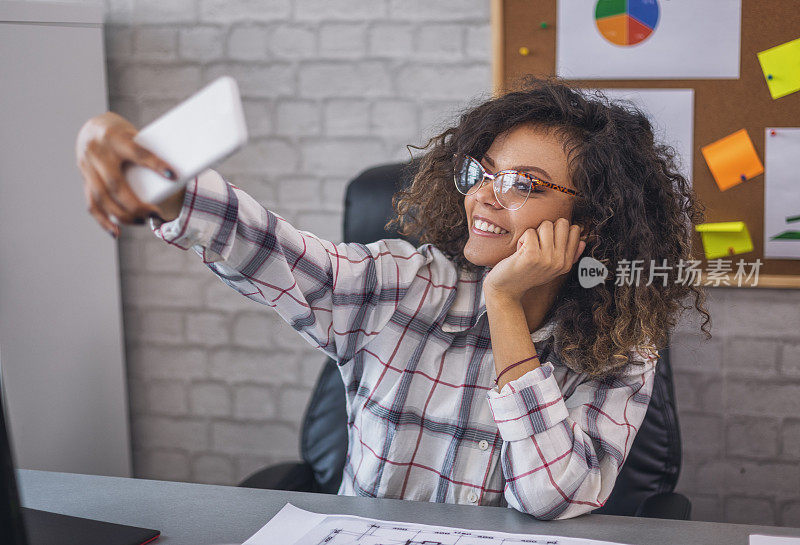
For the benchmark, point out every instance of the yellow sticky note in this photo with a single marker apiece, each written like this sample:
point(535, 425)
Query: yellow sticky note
point(781, 67)
point(725, 238)
point(732, 159)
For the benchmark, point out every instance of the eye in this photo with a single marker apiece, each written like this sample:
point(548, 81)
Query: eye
point(522, 184)
point(538, 187)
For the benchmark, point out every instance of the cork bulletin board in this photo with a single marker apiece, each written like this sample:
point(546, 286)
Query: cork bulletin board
point(721, 107)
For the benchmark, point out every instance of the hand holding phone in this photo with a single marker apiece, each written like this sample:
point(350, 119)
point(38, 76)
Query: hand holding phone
point(126, 172)
point(197, 133)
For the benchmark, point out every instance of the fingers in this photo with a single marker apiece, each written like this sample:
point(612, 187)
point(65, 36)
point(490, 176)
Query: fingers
point(114, 192)
point(529, 242)
point(561, 232)
point(131, 151)
point(103, 147)
point(545, 233)
point(580, 249)
point(573, 241)
point(92, 204)
point(97, 190)
point(107, 184)
point(128, 149)
point(561, 244)
point(582, 244)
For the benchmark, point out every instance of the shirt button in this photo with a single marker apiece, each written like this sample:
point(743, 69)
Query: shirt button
point(483, 444)
point(473, 497)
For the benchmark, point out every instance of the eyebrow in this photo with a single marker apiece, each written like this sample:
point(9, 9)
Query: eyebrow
point(521, 167)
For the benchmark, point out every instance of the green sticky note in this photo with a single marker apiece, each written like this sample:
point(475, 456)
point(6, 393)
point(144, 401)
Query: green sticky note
point(781, 67)
point(725, 238)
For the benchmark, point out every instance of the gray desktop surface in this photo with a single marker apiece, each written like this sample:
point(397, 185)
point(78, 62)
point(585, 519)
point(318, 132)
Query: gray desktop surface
point(198, 514)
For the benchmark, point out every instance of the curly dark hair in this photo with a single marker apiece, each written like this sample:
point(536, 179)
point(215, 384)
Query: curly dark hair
point(635, 204)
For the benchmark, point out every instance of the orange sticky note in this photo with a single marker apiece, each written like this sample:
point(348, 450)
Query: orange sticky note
point(732, 159)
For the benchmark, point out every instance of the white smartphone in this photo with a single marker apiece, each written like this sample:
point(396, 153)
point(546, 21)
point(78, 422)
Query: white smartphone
point(200, 131)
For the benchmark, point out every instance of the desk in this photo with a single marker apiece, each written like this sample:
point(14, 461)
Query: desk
point(198, 514)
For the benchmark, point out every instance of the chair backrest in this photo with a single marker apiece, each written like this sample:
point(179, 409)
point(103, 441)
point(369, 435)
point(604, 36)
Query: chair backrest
point(652, 465)
point(654, 461)
point(367, 209)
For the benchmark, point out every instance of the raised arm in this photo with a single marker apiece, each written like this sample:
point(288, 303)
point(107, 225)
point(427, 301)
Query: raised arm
point(338, 296)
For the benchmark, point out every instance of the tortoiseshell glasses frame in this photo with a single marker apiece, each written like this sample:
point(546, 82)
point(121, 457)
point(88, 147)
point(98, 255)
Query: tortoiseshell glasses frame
point(505, 183)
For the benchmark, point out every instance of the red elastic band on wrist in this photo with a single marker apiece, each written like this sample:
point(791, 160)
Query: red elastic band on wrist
point(503, 372)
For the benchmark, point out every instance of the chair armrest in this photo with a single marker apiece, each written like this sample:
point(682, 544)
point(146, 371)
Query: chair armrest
point(666, 505)
point(296, 476)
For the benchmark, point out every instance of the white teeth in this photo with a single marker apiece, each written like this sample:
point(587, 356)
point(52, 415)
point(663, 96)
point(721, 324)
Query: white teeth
point(488, 227)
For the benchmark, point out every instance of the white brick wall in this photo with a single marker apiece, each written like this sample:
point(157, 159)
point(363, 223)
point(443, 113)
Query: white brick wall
point(218, 383)
point(739, 408)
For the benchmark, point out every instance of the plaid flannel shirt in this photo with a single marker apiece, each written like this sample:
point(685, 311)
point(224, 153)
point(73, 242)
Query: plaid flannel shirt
point(410, 334)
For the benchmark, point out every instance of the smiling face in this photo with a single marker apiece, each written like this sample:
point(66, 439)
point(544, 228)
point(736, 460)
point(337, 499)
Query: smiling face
point(521, 146)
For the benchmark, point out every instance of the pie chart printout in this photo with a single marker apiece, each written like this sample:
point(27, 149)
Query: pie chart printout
point(626, 22)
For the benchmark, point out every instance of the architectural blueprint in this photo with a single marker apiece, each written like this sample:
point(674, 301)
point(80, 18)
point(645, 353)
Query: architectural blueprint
point(299, 527)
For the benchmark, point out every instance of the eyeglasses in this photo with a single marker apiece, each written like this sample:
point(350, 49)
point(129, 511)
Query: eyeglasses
point(511, 187)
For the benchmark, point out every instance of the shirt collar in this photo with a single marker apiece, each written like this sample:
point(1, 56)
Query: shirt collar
point(544, 332)
point(469, 303)
point(469, 306)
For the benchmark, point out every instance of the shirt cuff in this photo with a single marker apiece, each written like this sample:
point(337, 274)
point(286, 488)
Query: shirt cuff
point(528, 405)
point(207, 218)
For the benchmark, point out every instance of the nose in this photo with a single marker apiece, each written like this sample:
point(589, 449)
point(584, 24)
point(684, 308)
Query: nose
point(486, 194)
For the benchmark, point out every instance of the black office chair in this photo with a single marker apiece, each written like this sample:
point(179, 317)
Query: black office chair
point(646, 483)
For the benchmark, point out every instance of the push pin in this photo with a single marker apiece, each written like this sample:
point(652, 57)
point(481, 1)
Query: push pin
point(772, 133)
point(743, 177)
point(769, 76)
point(524, 51)
point(543, 24)
point(731, 251)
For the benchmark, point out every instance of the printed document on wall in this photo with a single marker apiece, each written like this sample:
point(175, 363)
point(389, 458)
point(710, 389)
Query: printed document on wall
point(648, 39)
point(782, 193)
point(671, 114)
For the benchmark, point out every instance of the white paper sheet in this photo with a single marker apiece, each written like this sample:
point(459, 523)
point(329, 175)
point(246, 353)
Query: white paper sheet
point(299, 527)
point(671, 112)
point(781, 191)
point(690, 39)
point(756, 539)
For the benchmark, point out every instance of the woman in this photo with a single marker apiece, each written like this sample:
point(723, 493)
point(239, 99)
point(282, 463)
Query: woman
point(477, 370)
